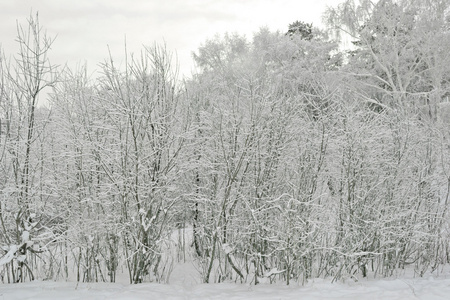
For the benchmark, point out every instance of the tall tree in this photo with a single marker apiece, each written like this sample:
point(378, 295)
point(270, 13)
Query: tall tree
point(396, 50)
point(24, 81)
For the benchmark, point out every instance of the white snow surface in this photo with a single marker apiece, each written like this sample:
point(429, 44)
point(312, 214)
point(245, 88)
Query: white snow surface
point(185, 283)
point(429, 288)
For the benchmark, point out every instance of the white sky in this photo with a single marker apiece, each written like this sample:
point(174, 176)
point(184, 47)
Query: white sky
point(85, 28)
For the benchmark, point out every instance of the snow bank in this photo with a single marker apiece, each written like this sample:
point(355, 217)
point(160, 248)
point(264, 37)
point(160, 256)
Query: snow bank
point(393, 289)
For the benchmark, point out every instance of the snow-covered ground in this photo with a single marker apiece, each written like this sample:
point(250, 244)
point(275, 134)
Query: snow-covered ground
point(185, 283)
point(428, 288)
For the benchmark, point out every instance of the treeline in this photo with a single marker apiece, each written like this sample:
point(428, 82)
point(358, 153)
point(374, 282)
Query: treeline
point(284, 157)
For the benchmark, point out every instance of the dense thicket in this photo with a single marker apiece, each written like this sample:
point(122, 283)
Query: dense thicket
point(283, 158)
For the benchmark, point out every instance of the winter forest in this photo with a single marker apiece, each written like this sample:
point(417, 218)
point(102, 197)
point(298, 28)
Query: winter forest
point(286, 156)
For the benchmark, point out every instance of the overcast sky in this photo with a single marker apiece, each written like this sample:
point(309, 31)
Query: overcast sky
point(85, 28)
